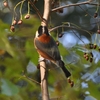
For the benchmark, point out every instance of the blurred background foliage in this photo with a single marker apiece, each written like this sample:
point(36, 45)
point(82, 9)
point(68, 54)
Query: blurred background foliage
point(19, 59)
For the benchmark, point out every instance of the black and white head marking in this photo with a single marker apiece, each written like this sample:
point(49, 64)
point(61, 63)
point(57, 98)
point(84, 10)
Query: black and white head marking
point(42, 30)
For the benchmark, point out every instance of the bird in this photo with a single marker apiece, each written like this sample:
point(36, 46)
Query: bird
point(48, 49)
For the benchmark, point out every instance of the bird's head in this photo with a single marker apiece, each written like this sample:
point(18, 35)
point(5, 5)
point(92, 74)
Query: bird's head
point(42, 30)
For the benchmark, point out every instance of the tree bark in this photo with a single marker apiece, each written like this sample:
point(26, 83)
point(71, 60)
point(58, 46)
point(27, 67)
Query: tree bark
point(44, 84)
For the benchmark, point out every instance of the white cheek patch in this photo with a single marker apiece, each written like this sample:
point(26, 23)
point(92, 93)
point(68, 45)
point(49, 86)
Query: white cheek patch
point(49, 34)
point(37, 34)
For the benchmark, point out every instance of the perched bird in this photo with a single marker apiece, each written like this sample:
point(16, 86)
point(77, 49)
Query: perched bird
point(47, 48)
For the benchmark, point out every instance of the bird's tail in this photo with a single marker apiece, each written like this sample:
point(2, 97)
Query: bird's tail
point(64, 69)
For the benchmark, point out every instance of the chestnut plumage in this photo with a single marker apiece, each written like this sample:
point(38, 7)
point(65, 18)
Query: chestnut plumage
point(47, 48)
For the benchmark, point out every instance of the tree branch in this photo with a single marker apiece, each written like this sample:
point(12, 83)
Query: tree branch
point(70, 27)
point(44, 85)
point(47, 8)
point(76, 4)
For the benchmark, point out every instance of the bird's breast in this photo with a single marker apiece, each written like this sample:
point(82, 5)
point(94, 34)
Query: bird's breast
point(44, 38)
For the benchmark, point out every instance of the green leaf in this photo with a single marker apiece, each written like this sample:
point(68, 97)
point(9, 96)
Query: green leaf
point(5, 45)
point(4, 42)
point(31, 51)
point(8, 88)
point(4, 97)
point(16, 97)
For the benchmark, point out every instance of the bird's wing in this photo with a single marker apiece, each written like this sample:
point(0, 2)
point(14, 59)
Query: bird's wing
point(50, 48)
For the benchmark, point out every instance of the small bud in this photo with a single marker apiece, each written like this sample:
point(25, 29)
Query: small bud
point(91, 54)
point(27, 16)
point(60, 35)
point(72, 83)
point(87, 58)
point(91, 59)
point(12, 28)
point(38, 66)
point(60, 11)
point(98, 31)
point(14, 22)
point(91, 46)
point(20, 22)
point(94, 46)
point(99, 49)
point(85, 55)
point(95, 14)
point(5, 3)
point(57, 43)
point(69, 80)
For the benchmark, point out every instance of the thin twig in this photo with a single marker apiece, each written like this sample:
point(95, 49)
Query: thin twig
point(76, 4)
point(56, 98)
point(37, 11)
point(64, 26)
point(31, 79)
point(85, 11)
